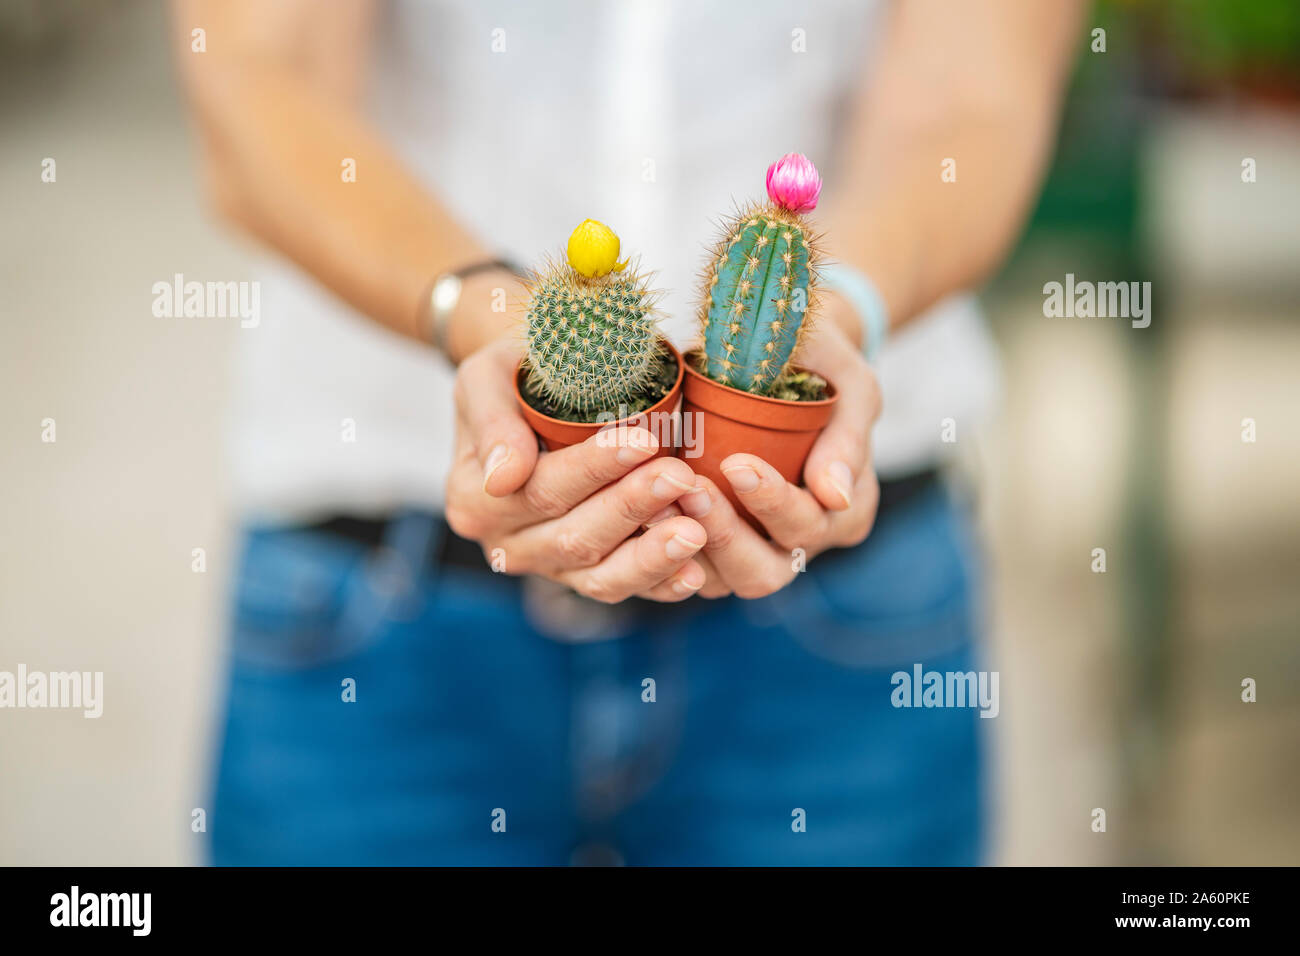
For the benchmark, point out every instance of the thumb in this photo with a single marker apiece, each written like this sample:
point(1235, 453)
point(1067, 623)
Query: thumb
point(505, 446)
point(843, 449)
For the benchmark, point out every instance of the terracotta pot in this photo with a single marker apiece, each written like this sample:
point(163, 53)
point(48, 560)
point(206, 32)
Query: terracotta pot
point(660, 418)
point(724, 421)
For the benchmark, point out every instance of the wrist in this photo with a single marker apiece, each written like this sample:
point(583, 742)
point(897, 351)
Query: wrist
point(859, 296)
point(465, 309)
point(484, 313)
point(841, 314)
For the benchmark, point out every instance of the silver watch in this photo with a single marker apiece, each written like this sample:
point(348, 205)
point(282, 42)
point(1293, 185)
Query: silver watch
point(444, 296)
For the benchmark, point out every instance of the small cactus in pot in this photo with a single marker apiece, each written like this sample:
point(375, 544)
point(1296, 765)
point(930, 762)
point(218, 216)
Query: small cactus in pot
point(761, 282)
point(594, 354)
point(758, 302)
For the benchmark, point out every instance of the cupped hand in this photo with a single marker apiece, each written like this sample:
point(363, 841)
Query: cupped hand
point(573, 515)
point(835, 508)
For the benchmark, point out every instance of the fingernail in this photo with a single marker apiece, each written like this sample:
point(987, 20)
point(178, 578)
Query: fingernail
point(685, 587)
point(838, 474)
point(743, 478)
point(639, 446)
point(495, 459)
point(666, 486)
point(679, 548)
point(669, 512)
point(696, 504)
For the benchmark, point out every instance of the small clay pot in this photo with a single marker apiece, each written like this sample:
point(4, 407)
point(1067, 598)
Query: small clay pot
point(660, 419)
point(718, 421)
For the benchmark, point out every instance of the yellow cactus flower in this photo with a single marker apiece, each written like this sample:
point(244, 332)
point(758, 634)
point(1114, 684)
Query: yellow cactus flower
point(593, 250)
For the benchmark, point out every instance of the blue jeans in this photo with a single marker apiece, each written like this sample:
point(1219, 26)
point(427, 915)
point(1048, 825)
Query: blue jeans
point(474, 739)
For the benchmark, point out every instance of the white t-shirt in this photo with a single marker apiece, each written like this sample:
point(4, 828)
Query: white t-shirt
point(654, 116)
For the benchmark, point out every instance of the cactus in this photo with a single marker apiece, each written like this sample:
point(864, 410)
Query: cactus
point(760, 282)
point(593, 343)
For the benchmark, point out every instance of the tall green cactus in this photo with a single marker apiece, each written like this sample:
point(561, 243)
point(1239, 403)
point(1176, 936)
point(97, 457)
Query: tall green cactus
point(593, 341)
point(759, 285)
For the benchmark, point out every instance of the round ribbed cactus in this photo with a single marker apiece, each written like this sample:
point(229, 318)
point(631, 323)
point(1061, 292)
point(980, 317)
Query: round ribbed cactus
point(593, 341)
point(760, 282)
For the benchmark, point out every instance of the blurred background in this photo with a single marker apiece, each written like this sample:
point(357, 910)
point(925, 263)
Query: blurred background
point(1122, 690)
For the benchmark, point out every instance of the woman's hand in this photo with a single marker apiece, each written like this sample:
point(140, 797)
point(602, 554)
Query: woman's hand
point(836, 508)
point(572, 515)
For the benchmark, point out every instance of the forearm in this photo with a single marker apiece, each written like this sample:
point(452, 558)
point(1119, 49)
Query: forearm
point(276, 126)
point(977, 83)
point(275, 169)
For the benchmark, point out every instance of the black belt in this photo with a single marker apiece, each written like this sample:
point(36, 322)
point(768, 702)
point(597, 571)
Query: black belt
point(456, 551)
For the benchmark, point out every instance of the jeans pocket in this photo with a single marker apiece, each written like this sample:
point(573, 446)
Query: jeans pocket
point(903, 595)
point(292, 600)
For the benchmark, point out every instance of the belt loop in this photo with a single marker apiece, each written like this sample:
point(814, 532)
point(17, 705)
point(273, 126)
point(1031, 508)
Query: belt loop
point(412, 535)
point(391, 573)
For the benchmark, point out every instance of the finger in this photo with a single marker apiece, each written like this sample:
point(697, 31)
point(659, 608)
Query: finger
point(505, 446)
point(559, 478)
point(592, 530)
point(842, 450)
point(750, 566)
point(714, 585)
point(848, 528)
point(641, 563)
point(792, 516)
point(474, 514)
point(671, 511)
point(522, 524)
point(681, 585)
point(565, 478)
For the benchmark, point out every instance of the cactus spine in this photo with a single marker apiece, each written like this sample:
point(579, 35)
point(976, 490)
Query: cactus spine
point(759, 288)
point(593, 341)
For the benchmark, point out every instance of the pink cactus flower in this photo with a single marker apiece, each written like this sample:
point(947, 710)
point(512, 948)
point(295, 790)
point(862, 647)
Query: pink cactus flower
point(793, 183)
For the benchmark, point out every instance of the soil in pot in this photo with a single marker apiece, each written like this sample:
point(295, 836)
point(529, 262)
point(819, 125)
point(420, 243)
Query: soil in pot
point(657, 410)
